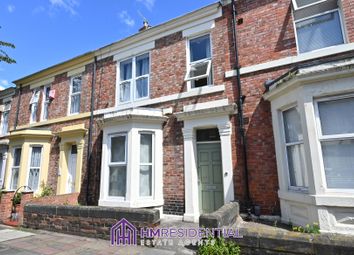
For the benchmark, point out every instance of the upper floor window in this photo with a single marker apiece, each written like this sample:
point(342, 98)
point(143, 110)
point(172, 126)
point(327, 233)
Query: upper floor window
point(134, 78)
point(318, 24)
point(16, 157)
point(336, 121)
point(34, 105)
point(34, 168)
point(45, 102)
point(5, 118)
point(75, 94)
point(199, 66)
point(295, 153)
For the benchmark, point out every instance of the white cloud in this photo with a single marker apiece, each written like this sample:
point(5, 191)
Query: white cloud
point(67, 5)
point(3, 84)
point(126, 19)
point(11, 8)
point(149, 4)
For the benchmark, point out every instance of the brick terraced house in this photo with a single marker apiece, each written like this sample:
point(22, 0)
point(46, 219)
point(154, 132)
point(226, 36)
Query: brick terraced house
point(181, 118)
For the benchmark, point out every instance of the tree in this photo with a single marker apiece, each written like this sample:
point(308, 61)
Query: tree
point(3, 55)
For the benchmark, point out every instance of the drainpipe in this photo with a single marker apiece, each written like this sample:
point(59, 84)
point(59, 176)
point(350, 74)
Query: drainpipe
point(239, 103)
point(18, 106)
point(89, 142)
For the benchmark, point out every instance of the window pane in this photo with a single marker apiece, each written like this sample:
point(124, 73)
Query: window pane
point(142, 87)
point(292, 125)
point(338, 159)
point(145, 181)
point(145, 148)
point(118, 149)
point(76, 84)
point(126, 70)
point(199, 69)
point(142, 65)
point(75, 103)
point(200, 48)
point(34, 108)
point(5, 121)
point(45, 111)
point(319, 32)
point(117, 181)
point(124, 92)
point(46, 93)
point(33, 178)
point(36, 157)
point(297, 167)
point(17, 156)
point(14, 179)
point(337, 116)
point(35, 97)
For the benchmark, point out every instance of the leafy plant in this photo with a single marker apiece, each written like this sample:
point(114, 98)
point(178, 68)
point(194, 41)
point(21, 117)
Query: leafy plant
point(310, 229)
point(46, 190)
point(218, 246)
point(17, 199)
point(3, 55)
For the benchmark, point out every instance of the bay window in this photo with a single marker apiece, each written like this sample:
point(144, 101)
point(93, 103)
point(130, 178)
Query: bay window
point(75, 95)
point(134, 78)
point(146, 164)
point(318, 24)
point(336, 132)
point(34, 105)
point(294, 147)
point(16, 157)
point(118, 166)
point(34, 168)
point(199, 66)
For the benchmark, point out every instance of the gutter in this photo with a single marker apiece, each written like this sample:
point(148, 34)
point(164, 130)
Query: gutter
point(89, 142)
point(239, 102)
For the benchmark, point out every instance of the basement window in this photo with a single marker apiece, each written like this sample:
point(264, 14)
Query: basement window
point(199, 66)
point(318, 24)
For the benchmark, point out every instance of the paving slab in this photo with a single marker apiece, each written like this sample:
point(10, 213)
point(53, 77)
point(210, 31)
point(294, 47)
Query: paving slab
point(10, 234)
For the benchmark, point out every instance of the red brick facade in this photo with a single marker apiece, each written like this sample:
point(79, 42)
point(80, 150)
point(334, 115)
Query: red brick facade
point(266, 33)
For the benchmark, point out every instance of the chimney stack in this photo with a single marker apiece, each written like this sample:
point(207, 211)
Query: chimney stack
point(146, 26)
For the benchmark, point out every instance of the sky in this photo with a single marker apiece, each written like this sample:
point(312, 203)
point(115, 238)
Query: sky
point(47, 32)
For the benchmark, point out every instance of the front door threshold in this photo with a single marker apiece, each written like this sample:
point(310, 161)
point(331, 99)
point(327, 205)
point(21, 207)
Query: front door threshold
point(191, 218)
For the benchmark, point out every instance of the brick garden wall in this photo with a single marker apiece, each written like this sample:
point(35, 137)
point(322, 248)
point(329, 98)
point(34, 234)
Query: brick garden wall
point(86, 221)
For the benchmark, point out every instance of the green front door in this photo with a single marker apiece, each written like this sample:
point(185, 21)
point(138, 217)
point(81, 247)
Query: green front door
point(211, 195)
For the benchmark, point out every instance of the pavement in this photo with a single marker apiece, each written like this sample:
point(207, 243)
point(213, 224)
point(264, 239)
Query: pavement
point(34, 242)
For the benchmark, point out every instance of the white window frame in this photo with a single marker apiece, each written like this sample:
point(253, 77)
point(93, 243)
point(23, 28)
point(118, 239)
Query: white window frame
point(152, 164)
point(74, 94)
point(2, 117)
point(45, 103)
point(328, 138)
point(32, 106)
point(305, 6)
point(206, 60)
point(15, 167)
point(113, 164)
point(286, 145)
point(295, 8)
point(133, 80)
point(29, 166)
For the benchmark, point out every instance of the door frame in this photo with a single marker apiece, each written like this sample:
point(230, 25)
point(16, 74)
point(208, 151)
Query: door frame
point(222, 122)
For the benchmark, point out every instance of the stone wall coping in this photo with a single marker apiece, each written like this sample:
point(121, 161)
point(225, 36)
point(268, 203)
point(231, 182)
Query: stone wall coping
point(224, 216)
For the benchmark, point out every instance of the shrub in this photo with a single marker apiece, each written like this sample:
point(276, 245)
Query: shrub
point(46, 190)
point(310, 229)
point(16, 200)
point(218, 246)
